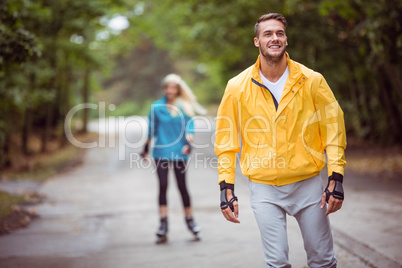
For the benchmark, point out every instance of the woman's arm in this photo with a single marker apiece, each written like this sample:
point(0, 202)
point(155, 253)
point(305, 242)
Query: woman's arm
point(189, 131)
point(144, 153)
point(151, 132)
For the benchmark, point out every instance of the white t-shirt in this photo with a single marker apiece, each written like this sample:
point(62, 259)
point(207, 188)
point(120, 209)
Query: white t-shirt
point(277, 87)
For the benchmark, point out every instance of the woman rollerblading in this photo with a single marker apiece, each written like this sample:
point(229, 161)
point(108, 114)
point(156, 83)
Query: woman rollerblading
point(171, 126)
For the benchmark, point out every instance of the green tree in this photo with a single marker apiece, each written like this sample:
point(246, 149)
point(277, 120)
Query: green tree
point(17, 46)
point(355, 44)
point(46, 46)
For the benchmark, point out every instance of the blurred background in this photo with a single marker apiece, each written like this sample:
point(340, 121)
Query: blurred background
point(55, 54)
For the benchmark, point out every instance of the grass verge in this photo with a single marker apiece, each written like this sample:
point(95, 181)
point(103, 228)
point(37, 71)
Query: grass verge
point(7, 201)
point(36, 167)
point(41, 166)
point(47, 165)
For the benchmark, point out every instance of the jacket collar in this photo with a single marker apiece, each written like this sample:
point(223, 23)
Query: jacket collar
point(294, 82)
point(294, 70)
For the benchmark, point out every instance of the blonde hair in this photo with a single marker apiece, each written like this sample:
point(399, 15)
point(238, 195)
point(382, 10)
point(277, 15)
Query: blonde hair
point(186, 99)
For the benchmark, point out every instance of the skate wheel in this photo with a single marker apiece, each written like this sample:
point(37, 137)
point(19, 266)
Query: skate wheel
point(197, 236)
point(161, 240)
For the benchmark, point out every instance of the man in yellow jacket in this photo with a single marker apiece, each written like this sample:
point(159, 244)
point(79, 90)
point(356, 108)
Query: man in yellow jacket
point(287, 118)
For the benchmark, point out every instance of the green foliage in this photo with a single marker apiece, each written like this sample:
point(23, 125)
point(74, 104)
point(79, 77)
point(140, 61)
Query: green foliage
point(370, 33)
point(355, 44)
point(17, 44)
point(46, 48)
point(53, 54)
point(137, 76)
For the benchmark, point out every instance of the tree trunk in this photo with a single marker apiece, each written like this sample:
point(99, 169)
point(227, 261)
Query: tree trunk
point(26, 128)
point(26, 131)
point(357, 111)
point(393, 75)
point(368, 123)
point(85, 99)
point(49, 107)
point(48, 126)
point(65, 101)
point(392, 113)
point(5, 160)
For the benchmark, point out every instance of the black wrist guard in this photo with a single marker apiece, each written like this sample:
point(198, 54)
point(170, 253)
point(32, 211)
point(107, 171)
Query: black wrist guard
point(146, 148)
point(224, 201)
point(190, 148)
point(338, 189)
point(145, 151)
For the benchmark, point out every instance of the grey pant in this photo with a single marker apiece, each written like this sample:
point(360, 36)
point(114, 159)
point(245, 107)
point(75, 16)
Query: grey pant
point(302, 200)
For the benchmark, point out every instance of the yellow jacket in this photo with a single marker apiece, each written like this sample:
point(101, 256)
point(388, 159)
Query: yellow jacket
point(284, 145)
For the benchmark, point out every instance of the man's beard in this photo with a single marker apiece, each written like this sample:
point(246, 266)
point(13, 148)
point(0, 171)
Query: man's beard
point(272, 60)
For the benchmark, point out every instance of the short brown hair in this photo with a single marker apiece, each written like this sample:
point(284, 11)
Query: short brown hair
point(269, 16)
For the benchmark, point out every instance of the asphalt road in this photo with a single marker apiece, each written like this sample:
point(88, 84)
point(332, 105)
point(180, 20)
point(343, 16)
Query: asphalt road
point(104, 214)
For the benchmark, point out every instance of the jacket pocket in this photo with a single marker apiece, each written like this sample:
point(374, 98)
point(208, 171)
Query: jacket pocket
point(312, 146)
point(249, 157)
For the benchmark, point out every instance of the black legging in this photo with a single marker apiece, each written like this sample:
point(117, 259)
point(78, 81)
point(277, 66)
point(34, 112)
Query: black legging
point(162, 167)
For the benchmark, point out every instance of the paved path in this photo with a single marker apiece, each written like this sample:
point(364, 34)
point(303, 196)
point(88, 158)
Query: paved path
point(104, 214)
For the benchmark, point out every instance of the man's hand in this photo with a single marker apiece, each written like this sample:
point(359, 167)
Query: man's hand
point(334, 204)
point(227, 212)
